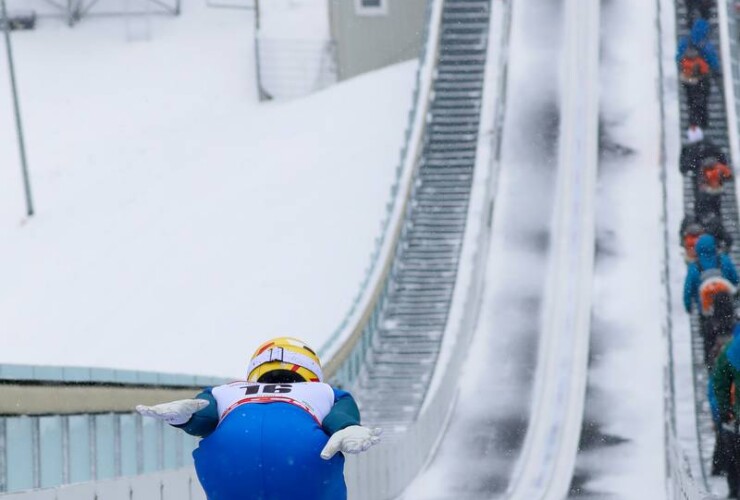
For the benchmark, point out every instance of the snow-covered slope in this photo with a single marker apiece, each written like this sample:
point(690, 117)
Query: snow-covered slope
point(180, 222)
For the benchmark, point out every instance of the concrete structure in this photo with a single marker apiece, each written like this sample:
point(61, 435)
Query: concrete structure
point(371, 34)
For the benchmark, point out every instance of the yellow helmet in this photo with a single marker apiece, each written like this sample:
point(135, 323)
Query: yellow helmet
point(284, 359)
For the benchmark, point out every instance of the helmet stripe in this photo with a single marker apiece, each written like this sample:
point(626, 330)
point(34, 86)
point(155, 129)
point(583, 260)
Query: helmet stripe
point(265, 347)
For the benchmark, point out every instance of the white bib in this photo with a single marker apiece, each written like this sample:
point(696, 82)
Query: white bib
point(314, 397)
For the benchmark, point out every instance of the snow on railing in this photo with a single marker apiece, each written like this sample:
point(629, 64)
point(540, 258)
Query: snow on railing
point(680, 483)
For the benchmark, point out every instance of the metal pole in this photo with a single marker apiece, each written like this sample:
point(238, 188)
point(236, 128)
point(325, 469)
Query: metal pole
point(263, 96)
point(16, 105)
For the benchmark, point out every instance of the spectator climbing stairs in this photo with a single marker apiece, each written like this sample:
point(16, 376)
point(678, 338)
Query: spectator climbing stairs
point(717, 132)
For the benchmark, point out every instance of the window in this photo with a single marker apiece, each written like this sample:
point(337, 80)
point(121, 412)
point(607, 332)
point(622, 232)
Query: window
point(371, 7)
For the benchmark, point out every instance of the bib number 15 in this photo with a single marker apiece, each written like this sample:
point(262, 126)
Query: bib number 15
point(267, 389)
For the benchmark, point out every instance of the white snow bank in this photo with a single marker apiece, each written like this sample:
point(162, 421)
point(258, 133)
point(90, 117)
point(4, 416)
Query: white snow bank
point(179, 222)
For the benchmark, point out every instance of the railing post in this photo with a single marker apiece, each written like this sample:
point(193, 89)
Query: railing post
point(16, 108)
point(36, 451)
point(66, 466)
point(3, 460)
point(91, 428)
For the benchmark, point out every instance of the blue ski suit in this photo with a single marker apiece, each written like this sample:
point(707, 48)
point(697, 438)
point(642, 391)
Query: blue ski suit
point(269, 451)
point(706, 252)
point(699, 38)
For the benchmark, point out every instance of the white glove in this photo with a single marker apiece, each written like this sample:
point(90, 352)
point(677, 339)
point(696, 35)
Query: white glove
point(352, 439)
point(175, 412)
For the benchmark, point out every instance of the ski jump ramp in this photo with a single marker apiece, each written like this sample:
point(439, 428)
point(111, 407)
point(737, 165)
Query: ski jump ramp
point(409, 327)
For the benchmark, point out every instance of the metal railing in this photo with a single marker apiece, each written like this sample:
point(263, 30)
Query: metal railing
point(49, 437)
point(74, 11)
point(52, 450)
point(76, 374)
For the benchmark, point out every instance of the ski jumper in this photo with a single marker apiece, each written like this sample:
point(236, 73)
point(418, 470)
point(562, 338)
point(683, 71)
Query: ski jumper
point(263, 441)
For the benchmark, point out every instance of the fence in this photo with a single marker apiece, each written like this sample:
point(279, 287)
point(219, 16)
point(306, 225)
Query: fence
point(73, 11)
point(46, 443)
point(48, 451)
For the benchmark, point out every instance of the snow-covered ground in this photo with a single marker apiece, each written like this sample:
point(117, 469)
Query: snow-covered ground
point(180, 222)
point(622, 443)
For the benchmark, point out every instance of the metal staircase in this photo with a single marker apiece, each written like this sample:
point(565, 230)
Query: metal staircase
point(401, 360)
point(717, 133)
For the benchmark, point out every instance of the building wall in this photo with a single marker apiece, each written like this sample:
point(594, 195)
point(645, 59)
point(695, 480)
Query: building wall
point(368, 42)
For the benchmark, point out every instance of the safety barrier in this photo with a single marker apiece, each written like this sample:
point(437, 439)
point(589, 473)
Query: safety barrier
point(171, 485)
point(83, 375)
point(62, 425)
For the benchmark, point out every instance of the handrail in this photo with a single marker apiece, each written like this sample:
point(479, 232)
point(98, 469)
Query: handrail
point(73, 398)
point(338, 348)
